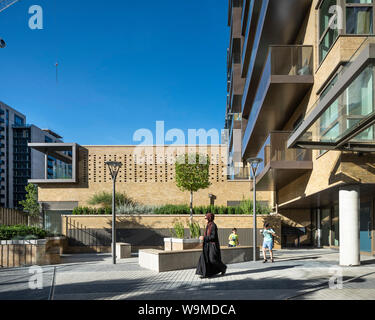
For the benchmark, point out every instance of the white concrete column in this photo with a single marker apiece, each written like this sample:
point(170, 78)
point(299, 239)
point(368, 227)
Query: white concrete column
point(349, 206)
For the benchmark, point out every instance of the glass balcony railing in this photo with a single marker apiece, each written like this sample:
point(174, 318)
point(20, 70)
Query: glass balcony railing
point(248, 23)
point(243, 13)
point(275, 149)
point(281, 61)
point(238, 173)
point(21, 125)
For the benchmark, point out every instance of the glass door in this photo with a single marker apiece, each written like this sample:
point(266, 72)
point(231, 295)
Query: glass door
point(335, 226)
point(326, 226)
point(365, 228)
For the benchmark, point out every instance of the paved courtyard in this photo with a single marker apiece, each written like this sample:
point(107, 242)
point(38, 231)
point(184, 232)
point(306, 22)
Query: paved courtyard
point(296, 274)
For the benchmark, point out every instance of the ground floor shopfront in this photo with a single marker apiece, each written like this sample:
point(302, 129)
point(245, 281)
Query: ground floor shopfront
point(343, 220)
point(326, 224)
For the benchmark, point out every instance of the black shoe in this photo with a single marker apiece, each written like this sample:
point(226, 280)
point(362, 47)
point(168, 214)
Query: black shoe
point(224, 272)
point(265, 260)
point(272, 260)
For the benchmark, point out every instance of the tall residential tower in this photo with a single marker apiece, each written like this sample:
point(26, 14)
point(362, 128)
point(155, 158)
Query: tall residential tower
point(301, 97)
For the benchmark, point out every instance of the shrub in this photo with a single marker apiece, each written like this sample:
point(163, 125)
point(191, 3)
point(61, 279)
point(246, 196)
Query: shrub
point(20, 232)
point(231, 210)
point(172, 209)
point(247, 207)
point(179, 230)
point(135, 209)
point(101, 211)
point(104, 199)
point(195, 230)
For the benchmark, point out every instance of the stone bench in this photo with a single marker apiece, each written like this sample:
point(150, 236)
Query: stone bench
point(123, 250)
point(161, 261)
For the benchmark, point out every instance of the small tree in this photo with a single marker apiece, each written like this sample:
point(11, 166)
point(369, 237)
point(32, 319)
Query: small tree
point(192, 174)
point(30, 205)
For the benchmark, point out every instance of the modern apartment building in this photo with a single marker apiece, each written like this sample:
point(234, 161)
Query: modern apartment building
point(18, 162)
point(301, 97)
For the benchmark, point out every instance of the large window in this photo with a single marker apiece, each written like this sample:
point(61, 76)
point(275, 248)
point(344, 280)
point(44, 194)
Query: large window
point(358, 19)
point(352, 106)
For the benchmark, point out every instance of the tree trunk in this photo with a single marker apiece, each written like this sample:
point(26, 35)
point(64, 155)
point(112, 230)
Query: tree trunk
point(191, 207)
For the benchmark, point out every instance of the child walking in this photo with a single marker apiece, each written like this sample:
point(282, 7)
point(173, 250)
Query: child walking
point(233, 239)
point(268, 234)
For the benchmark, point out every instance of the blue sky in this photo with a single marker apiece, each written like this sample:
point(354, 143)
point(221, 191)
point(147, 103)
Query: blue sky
point(122, 66)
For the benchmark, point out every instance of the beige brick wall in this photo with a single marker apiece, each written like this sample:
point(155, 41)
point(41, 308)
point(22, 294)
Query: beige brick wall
point(149, 182)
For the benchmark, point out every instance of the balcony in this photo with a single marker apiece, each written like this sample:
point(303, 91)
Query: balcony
point(235, 124)
point(21, 126)
point(272, 22)
point(254, 7)
point(281, 165)
point(238, 173)
point(286, 78)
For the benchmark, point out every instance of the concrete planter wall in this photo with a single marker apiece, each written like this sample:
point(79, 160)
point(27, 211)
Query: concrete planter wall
point(20, 253)
point(176, 244)
point(162, 261)
point(93, 233)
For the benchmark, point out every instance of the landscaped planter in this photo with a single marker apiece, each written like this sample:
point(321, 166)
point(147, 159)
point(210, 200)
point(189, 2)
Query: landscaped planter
point(19, 253)
point(176, 244)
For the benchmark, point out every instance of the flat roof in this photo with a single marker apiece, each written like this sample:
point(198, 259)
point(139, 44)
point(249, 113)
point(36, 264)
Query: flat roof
point(52, 133)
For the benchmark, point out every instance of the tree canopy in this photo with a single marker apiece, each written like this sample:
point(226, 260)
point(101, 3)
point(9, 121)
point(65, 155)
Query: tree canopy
point(192, 172)
point(30, 205)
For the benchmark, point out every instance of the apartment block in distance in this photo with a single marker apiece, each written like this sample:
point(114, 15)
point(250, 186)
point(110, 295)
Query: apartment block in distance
point(18, 162)
point(301, 97)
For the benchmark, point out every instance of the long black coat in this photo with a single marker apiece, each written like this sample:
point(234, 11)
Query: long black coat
point(210, 260)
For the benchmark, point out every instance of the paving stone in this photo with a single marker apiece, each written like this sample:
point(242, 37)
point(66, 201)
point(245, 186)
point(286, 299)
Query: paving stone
point(296, 274)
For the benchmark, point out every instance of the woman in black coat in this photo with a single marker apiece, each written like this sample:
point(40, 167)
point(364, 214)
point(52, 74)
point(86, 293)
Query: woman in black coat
point(210, 260)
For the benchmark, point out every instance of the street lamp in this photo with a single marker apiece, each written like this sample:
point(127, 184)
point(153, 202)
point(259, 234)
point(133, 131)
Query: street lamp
point(114, 168)
point(254, 164)
point(2, 43)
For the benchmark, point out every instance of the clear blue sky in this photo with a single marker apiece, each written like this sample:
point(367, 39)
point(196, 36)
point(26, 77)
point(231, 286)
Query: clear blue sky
point(122, 66)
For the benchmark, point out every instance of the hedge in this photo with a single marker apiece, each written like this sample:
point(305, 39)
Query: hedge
point(21, 232)
point(244, 208)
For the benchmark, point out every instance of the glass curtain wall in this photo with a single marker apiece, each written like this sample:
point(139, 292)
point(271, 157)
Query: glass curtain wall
point(355, 104)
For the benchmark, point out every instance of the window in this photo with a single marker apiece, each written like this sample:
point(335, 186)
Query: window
point(327, 33)
point(18, 120)
point(359, 17)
